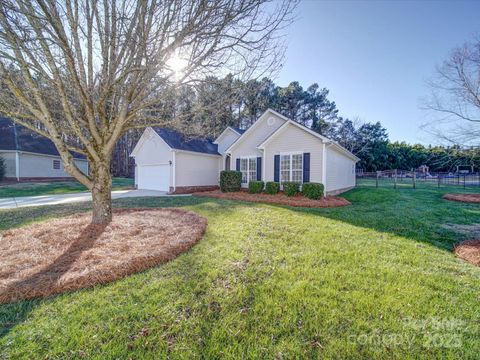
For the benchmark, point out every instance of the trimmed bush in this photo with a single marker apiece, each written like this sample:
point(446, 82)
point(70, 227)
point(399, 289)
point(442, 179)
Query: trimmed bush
point(291, 188)
point(255, 187)
point(3, 169)
point(230, 180)
point(272, 187)
point(312, 190)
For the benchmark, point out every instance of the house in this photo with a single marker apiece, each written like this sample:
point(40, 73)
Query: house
point(274, 148)
point(29, 156)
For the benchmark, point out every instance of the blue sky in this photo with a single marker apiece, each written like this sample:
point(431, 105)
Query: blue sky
point(375, 56)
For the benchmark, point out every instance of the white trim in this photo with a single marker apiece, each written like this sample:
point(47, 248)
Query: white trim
point(290, 177)
point(248, 167)
point(20, 152)
point(154, 164)
point(144, 137)
point(311, 132)
point(17, 165)
point(174, 167)
point(264, 166)
point(196, 153)
point(254, 125)
point(223, 132)
point(284, 126)
point(324, 168)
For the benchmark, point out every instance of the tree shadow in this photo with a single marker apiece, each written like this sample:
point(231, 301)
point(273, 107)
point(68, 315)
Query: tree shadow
point(44, 282)
point(416, 214)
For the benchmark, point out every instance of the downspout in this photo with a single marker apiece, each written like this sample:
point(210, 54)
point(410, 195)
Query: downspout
point(17, 153)
point(174, 171)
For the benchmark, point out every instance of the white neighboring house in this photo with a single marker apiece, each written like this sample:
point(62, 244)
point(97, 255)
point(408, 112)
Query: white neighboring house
point(274, 148)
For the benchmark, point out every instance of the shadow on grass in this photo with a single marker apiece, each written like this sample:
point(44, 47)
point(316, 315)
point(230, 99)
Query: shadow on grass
point(416, 214)
point(12, 314)
point(44, 281)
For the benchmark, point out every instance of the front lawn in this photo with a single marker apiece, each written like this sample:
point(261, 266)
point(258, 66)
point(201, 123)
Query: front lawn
point(376, 279)
point(55, 187)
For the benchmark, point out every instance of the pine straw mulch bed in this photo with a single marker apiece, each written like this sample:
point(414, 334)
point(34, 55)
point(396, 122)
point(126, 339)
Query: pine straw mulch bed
point(69, 253)
point(278, 199)
point(468, 198)
point(469, 251)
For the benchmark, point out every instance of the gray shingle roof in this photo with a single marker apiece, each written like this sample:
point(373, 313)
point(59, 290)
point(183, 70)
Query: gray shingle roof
point(177, 140)
point(16, 137)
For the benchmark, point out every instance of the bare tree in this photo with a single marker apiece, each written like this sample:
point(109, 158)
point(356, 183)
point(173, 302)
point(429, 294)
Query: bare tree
point(82, 73)
point(455, 96)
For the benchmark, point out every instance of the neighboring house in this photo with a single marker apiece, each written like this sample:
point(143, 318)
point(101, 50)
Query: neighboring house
point(30, 156)
point(274, 148)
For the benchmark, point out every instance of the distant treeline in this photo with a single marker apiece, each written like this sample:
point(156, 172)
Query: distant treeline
point(206, 109)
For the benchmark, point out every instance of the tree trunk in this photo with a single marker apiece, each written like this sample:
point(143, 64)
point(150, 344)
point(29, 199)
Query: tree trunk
point(102, 195)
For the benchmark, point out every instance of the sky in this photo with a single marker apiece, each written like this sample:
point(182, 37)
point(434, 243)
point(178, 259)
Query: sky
point(376, 56)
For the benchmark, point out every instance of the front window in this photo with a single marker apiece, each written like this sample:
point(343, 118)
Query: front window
point(291, 167)
point(248, 167)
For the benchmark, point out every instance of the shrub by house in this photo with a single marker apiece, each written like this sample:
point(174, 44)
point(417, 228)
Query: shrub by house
point(312, 190)
point(255, 187)
point(272, 187)
point(230, 180)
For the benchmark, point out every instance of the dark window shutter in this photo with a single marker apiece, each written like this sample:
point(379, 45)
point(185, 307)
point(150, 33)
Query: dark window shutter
point(238, 164)
point(306, 167)
point(259, 168)
point(276, 168)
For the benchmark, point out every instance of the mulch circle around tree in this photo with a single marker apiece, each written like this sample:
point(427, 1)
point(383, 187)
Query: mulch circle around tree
point(278, 199)
point(469, 251)
point(468, 198)
point(69, 253)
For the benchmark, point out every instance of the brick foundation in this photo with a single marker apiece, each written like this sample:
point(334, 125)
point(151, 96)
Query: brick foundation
point(192, 189)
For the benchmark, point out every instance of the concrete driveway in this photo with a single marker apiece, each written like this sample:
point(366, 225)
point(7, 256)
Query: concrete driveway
point(12, 203)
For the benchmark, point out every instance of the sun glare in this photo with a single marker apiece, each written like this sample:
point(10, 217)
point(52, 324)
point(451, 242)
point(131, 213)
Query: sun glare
point(177, 64)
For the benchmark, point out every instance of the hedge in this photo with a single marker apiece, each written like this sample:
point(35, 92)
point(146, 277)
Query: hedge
point(230, 180)
point(272, 187)
point(291, 188)
point(255, 187)
point(312, 190)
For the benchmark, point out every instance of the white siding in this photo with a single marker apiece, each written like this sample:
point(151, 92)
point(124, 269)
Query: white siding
point(293, 139)
point(262, 129)
point(340, 171)
point(38, 165)
point(153, 151)
point(227, 139)
point(196, 169)
point(9, 158)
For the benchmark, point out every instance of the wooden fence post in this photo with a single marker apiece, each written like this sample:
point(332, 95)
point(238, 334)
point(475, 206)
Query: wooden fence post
point(414, 178)
point(438, 176)
point(395, 180)
point(376, 181)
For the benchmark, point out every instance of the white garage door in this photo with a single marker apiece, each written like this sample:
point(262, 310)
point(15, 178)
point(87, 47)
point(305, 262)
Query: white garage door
point(154, 177)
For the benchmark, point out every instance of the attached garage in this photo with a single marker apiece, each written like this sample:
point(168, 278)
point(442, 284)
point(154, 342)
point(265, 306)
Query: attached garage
point(154, 177)
point(165, 160)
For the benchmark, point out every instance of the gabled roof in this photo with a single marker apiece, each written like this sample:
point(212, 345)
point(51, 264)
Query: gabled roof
point(236, 130)
point(15, 137)
point(310, 131)
point(178, 141)
point(254, 125)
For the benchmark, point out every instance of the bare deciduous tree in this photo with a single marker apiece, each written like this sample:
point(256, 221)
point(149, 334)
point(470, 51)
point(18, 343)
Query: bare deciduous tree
point(455, 95)
point(82, 73)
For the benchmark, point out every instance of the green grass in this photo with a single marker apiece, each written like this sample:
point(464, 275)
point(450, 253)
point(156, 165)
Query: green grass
point(55, 187)
point(376, 279)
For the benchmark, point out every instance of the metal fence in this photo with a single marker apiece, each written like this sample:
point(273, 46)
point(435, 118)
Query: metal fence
point(404, 178)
